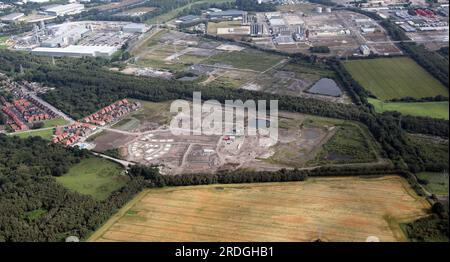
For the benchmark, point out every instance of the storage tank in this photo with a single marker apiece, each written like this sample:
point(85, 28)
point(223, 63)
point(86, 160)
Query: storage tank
point(328, 10)
point(319, 9)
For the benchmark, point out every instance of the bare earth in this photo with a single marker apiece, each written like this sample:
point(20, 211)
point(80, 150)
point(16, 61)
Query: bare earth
point(332, 209)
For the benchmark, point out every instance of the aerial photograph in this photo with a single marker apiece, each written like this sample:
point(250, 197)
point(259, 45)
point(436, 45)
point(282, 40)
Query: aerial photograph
point(224, 121)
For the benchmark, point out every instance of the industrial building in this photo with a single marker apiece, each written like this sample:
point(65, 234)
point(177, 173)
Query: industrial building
point(188, 19)
point(135, 28)
point(61, 10)
point(11, 18)
point(70, 37)
point(256, 29)
point(227, 15)
point(76, 51)
point(365, 50)
point(284, 40)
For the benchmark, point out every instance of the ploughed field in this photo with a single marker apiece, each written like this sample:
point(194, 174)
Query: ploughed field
point(332, 209)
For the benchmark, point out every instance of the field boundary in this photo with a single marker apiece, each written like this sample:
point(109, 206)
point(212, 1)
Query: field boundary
point(118, 215)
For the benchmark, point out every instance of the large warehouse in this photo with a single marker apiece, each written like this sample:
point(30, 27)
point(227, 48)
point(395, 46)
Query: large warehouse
point(76, 51)
point(227, 15)
point(12, 17)
point(135, 28)
point(61, 10)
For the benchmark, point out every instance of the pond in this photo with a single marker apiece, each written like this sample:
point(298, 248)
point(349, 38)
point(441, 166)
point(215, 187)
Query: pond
point(327, 87)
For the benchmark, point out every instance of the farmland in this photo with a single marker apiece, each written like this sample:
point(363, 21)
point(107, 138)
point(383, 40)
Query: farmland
point(430, 109)
point(334, 209)
point(95, 177)
point(389, 78)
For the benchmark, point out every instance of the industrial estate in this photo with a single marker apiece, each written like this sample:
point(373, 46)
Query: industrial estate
point(86, 113)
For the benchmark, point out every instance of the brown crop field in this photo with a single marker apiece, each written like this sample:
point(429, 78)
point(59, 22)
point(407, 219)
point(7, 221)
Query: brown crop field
point(332, 209)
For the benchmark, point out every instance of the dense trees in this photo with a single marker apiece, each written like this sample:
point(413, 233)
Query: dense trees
point(196, 9)
point(320, 49)
point(2, 118)
point(34, 206)
point(154, 179)
point(254, 6)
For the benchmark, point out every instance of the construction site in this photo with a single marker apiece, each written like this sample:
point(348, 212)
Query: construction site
point(187, 57)
point(300, 142)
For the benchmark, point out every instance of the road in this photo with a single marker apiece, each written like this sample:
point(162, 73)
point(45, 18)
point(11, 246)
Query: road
point(124, 163)
point(52, 108)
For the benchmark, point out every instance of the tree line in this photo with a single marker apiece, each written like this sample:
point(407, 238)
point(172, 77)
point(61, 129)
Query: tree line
point(153, 178)
point(254, 6)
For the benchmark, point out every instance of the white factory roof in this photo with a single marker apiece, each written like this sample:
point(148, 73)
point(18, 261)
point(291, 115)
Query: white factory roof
point(12, 17)
point(135, 26)
point(76, 51)
point(62, 8)
point(277, 22)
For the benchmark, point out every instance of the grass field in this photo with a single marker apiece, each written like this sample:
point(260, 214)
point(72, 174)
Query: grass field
point(430, 109)
point(437, 182)
point(55, 122)
point(350, 144)
point(389, 78)
point(336, 209)
point(3, 42)
point(44, 133)
point(247, 59)
point(96, 177)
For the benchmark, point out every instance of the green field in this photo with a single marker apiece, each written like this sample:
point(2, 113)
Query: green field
point(430, 109)
point(350, 144)
point(2, 42)
point(95, 177)
point(437, 182)
point(44, 133)
point(247, 59)
point(389, 78)
point(55, 122)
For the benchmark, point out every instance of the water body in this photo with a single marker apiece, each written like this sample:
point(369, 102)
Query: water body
point(326, 87)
